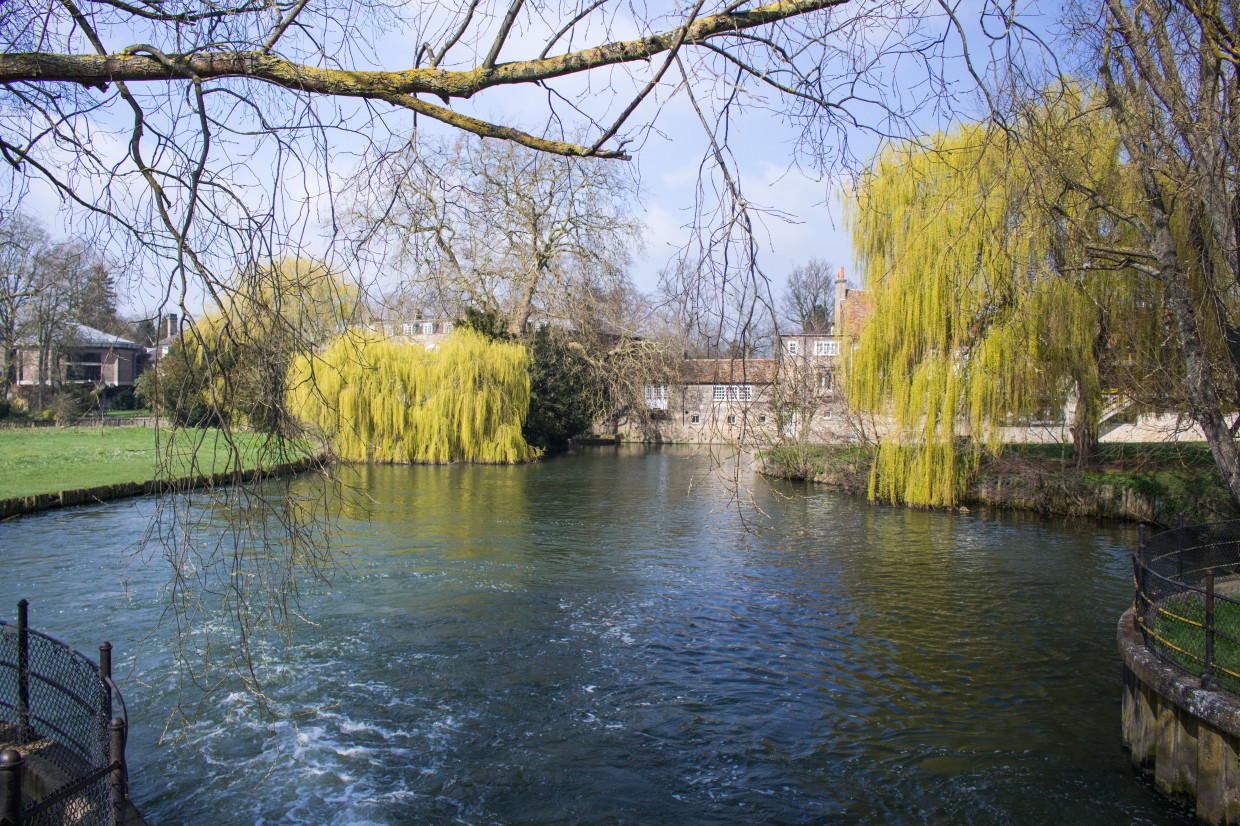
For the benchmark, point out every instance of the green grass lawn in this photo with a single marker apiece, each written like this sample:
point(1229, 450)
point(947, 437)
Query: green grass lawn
point(47, 460)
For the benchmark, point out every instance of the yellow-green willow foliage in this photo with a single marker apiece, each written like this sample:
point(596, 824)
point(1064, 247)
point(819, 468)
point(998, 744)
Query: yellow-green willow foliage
point(972, 245)
point(230, 367)
point(376, 400)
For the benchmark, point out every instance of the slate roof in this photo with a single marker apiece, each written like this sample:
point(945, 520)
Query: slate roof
point(82, 336)
point(90, 337)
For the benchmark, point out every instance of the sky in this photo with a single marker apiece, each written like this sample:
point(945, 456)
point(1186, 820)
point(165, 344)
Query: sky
point(810, 221)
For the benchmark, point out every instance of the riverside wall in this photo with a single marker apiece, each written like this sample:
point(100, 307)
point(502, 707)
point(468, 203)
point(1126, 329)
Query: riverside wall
point(20, 505)
point(1186, 737)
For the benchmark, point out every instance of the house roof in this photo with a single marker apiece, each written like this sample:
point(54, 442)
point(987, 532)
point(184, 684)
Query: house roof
point(82, 336)
point(90, 337)
point(728, 371)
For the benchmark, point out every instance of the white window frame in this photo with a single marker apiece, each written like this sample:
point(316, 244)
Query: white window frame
point(428, 328)
point(791, 346)
point(826, 348)
point(733, 393)
point(656, 397)
point(408, 329)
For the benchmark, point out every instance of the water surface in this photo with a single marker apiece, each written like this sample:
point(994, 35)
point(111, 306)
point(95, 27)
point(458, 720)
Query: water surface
point(612, 637)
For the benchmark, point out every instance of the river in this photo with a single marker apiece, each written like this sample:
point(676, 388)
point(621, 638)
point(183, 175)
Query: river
point(617, 637)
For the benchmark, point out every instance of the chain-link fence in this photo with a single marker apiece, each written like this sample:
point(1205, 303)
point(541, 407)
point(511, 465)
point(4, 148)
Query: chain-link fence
point(63, 751)
point(1187, 601)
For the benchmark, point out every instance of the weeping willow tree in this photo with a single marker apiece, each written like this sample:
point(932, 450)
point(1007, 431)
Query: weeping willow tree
point(374, 400)
point(987, 309)
point(229, 368)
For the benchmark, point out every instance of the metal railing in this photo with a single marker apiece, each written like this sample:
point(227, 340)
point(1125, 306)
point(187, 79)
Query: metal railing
point(1187, 599)
point(64, 754)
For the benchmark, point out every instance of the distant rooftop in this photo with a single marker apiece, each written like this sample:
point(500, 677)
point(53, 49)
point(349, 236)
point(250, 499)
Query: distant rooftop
point(84, 336)
point(90, 337)
point(728, 371)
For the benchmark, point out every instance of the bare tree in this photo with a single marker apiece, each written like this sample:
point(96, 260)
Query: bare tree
point(238, 115)
point(500, 227)
point(1169, 81)
point(715, 313)
point(62, 278)
point(23, 245)
point(808, 301)
point(617, 333)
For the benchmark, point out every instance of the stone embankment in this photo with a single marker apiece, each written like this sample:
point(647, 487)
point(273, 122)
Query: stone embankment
point(1041, 493)
point(1065, 497)
point(1185, 736)
point(20, 505)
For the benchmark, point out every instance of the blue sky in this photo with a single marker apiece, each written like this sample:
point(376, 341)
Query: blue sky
point(667, 159)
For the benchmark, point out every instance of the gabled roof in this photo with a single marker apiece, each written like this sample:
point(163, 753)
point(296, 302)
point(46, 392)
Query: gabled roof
point(728, 371)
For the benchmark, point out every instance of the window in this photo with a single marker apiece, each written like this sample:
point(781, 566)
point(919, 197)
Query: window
point(446, 327)
point(731, 420)
point(428, 328)
point(826, 380)
point(407, 329)
point(656, 397)
point(826, 348)
point(791, 346)
point(733, 393)
point(695, 419)
point(762, 419)
point(83, 372)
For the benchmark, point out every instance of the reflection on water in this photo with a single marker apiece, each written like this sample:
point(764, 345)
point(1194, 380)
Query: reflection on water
point(586, 641)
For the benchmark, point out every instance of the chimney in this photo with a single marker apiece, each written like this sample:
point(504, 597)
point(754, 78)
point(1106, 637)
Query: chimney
point(170, 326)
point(841, 295)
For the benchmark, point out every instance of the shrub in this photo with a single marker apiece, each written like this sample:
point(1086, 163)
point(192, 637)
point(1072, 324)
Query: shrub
point(68, 405)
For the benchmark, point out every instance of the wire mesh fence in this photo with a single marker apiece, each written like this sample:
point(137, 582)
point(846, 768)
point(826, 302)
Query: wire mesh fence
point(63, 758)
point(1187, 599)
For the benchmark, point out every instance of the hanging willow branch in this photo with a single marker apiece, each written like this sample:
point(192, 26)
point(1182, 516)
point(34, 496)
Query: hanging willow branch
point(379, 401)
point(986, 310)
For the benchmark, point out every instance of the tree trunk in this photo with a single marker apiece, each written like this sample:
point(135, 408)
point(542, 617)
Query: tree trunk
point(1203, 397)
point(1084, 436)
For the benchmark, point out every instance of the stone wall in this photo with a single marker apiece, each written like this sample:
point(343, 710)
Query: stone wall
point(1182, 734)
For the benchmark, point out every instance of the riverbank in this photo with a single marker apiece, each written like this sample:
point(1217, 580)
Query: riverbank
point(1143, 482)
point(54, 468)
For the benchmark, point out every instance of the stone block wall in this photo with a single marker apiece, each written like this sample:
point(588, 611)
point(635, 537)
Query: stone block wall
point(1187, 737)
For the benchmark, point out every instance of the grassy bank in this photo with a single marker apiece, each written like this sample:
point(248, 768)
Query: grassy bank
point(47, 460)
point(1152, 482)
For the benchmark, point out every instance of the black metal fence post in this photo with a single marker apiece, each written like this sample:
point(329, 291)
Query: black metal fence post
point(1179, 549)
point(11, 765)
point(116, 753)
point(1138, 576)
point(23, 671)
point(1209, 623)
point(105, 674)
